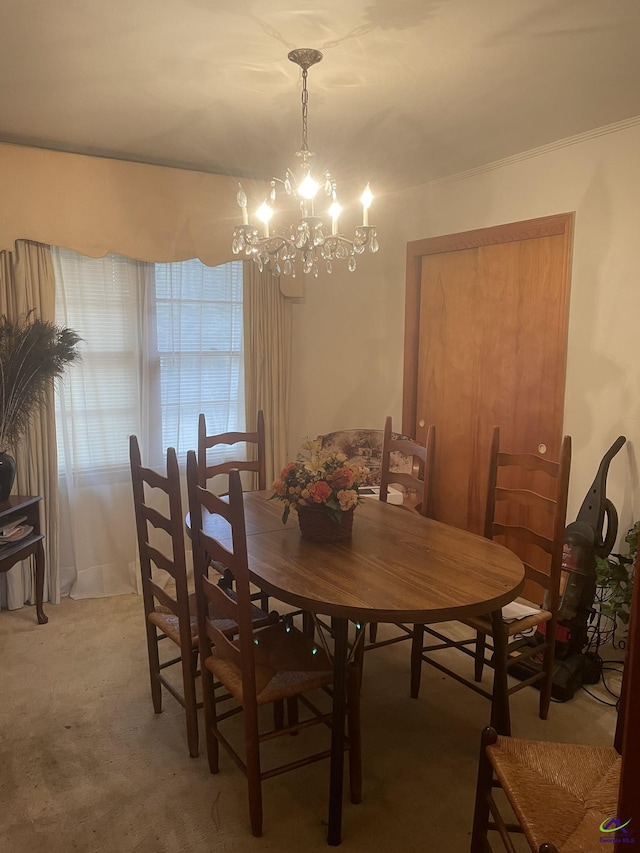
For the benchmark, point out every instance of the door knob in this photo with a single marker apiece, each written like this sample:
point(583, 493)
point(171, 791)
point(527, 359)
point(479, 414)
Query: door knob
point(542, 449)
point(421, 423)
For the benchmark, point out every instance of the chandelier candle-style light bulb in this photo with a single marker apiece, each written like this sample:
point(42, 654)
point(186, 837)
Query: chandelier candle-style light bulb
point(334, 211)
point(307, 239)
point(264, 214)
point(366, 198)
point(308, 188)
point(242, 203)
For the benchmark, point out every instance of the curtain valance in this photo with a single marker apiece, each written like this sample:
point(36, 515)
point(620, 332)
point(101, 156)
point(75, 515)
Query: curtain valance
point(96, 205)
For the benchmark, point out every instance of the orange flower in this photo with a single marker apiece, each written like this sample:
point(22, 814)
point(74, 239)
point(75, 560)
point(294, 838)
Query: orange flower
point(319, 492)
point(342, 477)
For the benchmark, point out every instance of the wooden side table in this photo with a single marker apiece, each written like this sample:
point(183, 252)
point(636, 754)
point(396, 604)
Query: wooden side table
point(11, 553)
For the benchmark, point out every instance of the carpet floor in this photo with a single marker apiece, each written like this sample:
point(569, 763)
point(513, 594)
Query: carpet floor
point(86, 765)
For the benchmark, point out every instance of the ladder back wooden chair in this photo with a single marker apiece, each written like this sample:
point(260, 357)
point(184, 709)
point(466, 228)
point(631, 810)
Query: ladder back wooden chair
point(169, 613)
point(253, 463)
point(518, 501)
point(418, 482)
point(275, 665)
point(255, 442)
point(565, 797)
point(416, 485)
point(365, 448)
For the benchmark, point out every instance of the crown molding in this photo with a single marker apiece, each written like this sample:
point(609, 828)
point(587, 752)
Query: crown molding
point(616, 127)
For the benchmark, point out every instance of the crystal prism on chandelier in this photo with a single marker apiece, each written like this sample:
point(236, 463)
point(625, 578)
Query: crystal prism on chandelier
point(315, 242)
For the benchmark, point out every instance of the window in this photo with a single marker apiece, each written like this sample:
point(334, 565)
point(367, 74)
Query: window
point(162, 343)
point(199, 349)
point(98, 406)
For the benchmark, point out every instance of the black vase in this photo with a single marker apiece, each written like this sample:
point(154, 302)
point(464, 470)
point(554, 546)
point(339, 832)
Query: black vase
point(7, 474)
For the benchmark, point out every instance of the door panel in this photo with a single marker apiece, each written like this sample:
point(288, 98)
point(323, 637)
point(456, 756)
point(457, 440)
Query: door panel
point(486, 344)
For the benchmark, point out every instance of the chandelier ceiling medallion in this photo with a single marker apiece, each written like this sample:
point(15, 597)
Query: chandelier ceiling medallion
point(311, 239)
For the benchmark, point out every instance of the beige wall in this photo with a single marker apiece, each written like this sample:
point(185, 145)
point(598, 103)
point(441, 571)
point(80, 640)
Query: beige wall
point(349, 327)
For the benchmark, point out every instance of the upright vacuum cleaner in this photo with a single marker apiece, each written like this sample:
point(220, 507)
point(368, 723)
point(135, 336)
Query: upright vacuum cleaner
point(592, 534)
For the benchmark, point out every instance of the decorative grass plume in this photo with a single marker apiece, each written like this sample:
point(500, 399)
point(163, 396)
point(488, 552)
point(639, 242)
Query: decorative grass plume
point(33, 353)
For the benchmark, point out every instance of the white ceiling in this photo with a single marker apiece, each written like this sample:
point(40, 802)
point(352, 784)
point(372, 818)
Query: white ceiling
point(408, 90)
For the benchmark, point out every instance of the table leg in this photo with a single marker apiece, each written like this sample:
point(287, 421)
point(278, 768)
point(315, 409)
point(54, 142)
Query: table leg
point(336, 777)
point(39, 559)
point(500, 716)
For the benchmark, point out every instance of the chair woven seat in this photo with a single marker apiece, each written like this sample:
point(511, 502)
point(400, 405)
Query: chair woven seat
point(513, 627)
point(560, 793)
point(169, 624)
point(163, 618)
point(286, 664)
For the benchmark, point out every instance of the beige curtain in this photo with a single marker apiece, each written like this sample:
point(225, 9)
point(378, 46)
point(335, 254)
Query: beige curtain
point(267, 361)
point(27, 282)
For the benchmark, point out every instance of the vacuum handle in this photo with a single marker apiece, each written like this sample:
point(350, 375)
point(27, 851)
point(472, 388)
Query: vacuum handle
point(604, 547)
point(593, 507)
point(615, 447)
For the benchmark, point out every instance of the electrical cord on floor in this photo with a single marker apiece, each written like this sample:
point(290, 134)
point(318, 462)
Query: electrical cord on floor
point(598, 699)
point(602, 664)
point(601, 632)
point(618, 668)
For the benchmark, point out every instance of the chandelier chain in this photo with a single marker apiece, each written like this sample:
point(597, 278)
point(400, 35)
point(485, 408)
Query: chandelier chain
point(305, 108)
point(306, 243)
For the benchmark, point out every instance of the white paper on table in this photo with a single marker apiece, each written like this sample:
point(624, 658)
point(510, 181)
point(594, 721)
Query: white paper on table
point(8, 527)
point(393, 495)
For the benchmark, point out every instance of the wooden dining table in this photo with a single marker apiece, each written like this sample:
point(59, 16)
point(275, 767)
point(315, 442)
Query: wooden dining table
point(397, 567)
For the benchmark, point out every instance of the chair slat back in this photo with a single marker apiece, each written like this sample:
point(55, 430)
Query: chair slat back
point(528, 462)
point(232, 555)
point(535, 575)
point(523, 505)
point(524, 497)
point(220, 605)
point(524, 535)
point(256, 448)
point(421, 477)
point(143, 480)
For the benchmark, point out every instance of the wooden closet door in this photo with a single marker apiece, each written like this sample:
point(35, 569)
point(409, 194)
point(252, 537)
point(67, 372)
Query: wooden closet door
point(485, 344)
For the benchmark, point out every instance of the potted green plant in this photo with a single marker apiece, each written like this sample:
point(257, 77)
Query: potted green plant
point(33, 353)
point(615, 576)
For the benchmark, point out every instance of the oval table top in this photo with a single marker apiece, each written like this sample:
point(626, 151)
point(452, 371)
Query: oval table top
point(397, 567)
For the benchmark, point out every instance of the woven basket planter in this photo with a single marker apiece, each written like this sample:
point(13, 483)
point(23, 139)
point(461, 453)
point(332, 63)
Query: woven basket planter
point(317, 525)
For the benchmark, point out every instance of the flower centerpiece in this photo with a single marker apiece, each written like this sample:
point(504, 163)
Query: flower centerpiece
point(323, 489)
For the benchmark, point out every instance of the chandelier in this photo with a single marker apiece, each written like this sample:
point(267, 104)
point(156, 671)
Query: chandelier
point(315, 240)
